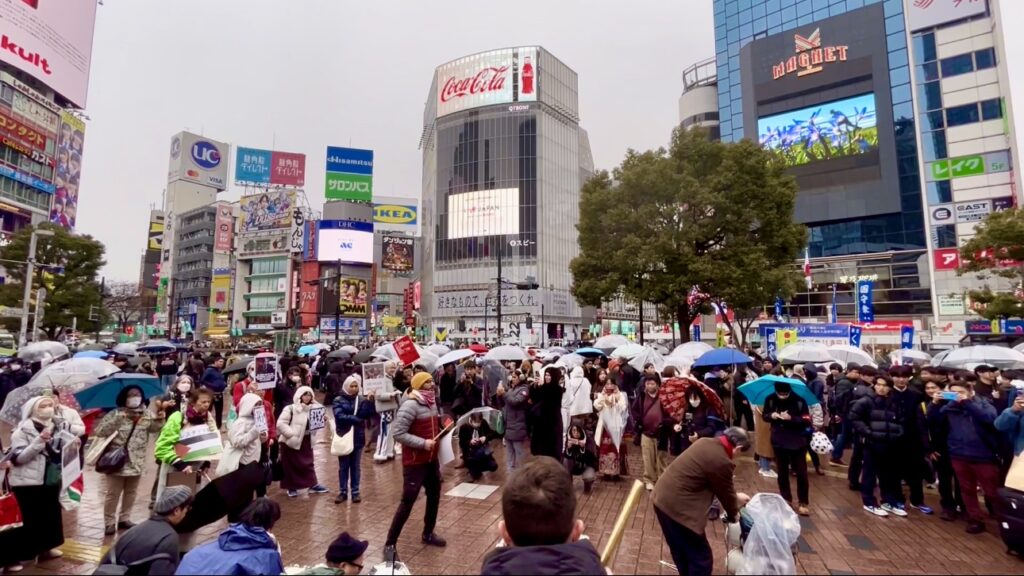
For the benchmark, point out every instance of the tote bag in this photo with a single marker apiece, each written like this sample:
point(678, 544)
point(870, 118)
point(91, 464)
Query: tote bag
point(342, 445)
point(10, 512)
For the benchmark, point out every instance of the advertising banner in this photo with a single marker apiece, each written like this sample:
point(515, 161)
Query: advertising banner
point(952, 305)
point(349, 174)
point(263, 245)
point(29, 109)
point(855, 334)
point(225, 229)
point(975, 211)
point(252, 166)
point(483, 213)
point(199, 160)
point(156, 235)
point(395, 215)
point(906, 337)
point(296, 239)
point(64, 209)
point(345, 241)
point(220, 289)
point(348, 325)
point(22, 132)
point(288, 169)
point(271, 210)
point(310, 239)
point(771, 345)
point(354, 297)
point(397, 253)
point(928, 13)
point(52, 42)
point(946, 259)
point(865, 301)
point(488, 78)
point(471, 302)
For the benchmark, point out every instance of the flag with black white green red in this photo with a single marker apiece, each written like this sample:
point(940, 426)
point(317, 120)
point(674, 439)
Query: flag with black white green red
point(198, 443)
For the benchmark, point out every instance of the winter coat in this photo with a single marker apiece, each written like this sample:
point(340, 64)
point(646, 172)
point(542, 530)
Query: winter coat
point(878, 420)
point(469, 396)
point(608, 411)
point(787, 434)
point(238, 550)
point(689, 484)
point(336, 375)
point(283, 394)
point(699, 420)
point(762, 435)
point(120, 420)
point(31, 454)
point(641, 405)
point(972, 434)
point(68, 420)
point(466, 435)
point(293, 423)
point(1012, 424)
point(573, 558)
point(516, 404)
point(154, 536)
point(446, 387)
point(347, 416)
point(842, 397)
point(576, 400)
point(414, 424)
point(213, 379)
point(546, 412)
point(915, 438)
point(243, 434)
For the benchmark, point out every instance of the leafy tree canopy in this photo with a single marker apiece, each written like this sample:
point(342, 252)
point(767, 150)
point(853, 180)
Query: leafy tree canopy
point(997, 252)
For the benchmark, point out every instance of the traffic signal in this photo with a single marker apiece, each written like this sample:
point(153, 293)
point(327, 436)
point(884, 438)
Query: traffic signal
point(529, 322)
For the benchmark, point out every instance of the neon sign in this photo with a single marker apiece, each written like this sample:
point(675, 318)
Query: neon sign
point(810, 56)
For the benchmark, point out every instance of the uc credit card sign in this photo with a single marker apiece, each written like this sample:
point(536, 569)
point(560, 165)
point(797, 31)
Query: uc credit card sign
point(349, 174)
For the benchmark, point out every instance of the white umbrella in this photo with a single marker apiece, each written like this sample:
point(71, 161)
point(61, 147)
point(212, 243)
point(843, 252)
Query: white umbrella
point(570, 361)
point(506, 354)
point(938, 358)
point(129, 348)
point(43, 351)
point(648, 355)
point(627, 351)
point(902, 356)
point(350, 349)
point(681, 363)
point(610, 341)
point(427, 360)
point(456, 356)
point(691, 350)
point(439, 349)
point(802, 352)
point(1004, 358)
point(1019, 347)
point(67, 377)
point(845, 353)
point(659, 349)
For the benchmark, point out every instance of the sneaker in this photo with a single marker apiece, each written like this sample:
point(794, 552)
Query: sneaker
point(819, 471)
point(379, 459)
point(356, 499)
point(433, 539)
point(649, 486)
point(948, 515)
point(923, 509)
point(14, 568)
point(293, 493)
point(838, 462)
point(975, 527)
point(897, 510)
point(110, 530)
point(876, 511)
point(319, 489)
point(54, 554)
point(768, 473)
point(803, 510)
point(390, 554)
point(341, 498)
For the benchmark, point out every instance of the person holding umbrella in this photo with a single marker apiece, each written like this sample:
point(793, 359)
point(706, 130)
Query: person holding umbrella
point(789, 418)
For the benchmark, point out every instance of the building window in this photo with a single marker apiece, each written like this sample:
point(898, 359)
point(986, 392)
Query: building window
point(931, 96)
point(955, 65)
point(985, 59)
point(934, 144)
point(944, 236)
point(933, 120)
point(961, 115)
point(992, 109)
point(924, 47)
point(940, 192)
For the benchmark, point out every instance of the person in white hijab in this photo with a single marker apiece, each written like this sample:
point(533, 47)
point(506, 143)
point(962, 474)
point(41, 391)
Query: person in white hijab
point(577, 400)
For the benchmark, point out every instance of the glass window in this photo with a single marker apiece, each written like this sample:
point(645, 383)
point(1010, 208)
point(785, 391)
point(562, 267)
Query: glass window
point(944, 236)
point(992, 109)
point(985, 58)
point(933, 120)
point(930, 96)
point(955, 65)
point(924, 47)
point(927, 72)
point(899, 76)
point(940, 192)
point(934, 144)
point(961, 115)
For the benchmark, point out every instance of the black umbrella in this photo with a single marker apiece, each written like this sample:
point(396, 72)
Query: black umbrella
point(238, 366)
point(364, 356)
point(227, 496)
point(339, 354)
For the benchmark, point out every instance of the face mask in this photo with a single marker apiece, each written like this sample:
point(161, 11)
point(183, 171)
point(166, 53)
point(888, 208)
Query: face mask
point(133, 402)
point(15, 367)
point(46, 413)
point(296, 379)
point(184, 387)
point(783, 396)
point(695, 402)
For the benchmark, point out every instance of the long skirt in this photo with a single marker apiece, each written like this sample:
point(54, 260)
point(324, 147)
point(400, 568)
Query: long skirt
point(42, 529)
point(299, 471)
point(612, 460)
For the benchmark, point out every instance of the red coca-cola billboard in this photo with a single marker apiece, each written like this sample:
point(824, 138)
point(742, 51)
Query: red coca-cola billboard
point(495, 77)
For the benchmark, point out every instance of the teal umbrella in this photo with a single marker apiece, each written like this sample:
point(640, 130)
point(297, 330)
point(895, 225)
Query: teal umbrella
point(757, 392)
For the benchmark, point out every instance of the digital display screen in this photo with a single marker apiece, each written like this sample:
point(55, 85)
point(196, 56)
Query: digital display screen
point(483, 213)
point(837, 129)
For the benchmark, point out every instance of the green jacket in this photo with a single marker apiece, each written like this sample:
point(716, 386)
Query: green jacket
point(169, 436)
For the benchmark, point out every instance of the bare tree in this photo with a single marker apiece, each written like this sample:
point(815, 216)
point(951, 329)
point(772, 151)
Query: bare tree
point(123, 302)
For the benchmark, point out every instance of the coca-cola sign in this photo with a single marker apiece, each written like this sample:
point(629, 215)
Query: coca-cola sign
point(487, 80)
point(497, 77)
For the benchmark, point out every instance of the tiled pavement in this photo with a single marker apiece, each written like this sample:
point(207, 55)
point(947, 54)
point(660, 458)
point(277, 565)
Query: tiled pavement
point(838, 538)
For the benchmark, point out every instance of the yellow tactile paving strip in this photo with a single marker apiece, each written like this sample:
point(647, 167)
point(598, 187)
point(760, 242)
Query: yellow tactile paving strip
point(85, 553)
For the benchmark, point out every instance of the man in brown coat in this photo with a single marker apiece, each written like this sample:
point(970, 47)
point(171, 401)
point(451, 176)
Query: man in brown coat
point(684, 493)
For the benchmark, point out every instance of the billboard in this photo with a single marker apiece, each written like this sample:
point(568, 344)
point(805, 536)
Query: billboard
point(483, 213)
point(396, 215)
point(270, 210)
point(354, 297)
point(253, 246)
point(156, 234)
point(345, 241)
point(268, 167)
point(64, 209)
point(928, 13)
point(225, 229)
point(826, 131)
point(198, 159)
point(397, 253)
point(495, 77)
point(297, 236)
point(51, 41)
point(349, 174)
point(220, 290)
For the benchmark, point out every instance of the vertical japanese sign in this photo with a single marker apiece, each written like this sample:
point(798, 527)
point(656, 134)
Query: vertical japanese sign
point(349, 174)
point(771, 346)
point(298, 233)
point(778, 307)
point(855, 332)
point(865, 301)
point(64, 209)
point(906, 337)
point(225, 225)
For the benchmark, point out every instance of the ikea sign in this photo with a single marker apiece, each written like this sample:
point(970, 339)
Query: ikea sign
point(395, 217)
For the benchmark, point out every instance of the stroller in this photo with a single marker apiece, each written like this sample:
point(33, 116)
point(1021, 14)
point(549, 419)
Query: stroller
point(764, 539)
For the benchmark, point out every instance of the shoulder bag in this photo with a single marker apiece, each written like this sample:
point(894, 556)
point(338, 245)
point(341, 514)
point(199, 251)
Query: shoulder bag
point(113, 461)
point(342, 445)
point(10, 512)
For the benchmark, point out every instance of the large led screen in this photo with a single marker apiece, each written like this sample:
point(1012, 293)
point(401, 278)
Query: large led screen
point(483, 213)
point(836, 129)
point(345, 241)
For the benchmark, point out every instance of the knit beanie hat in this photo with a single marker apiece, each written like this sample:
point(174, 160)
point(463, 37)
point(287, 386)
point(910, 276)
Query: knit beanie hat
point(420, 379)
point(172, 497)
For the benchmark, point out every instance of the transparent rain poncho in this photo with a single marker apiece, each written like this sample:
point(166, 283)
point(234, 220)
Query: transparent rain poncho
point(769, 546)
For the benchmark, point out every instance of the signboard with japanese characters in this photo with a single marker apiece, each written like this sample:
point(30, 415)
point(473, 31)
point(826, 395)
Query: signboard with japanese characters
point(270, 167)
point(471, 302)
point(946, 259)
point(298, 232)
point(974, 165)
point(865, 301)
point(973, 211)
point(951, 305)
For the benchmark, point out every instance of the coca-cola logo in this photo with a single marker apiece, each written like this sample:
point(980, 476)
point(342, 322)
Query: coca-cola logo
point(486, 80)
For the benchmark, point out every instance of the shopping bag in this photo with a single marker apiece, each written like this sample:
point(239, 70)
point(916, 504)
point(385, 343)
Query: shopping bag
point(10, 512)
point(1015, 477)
point(97, 448)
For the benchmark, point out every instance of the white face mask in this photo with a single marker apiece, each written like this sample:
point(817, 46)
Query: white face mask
point(184, 387)
point(46, 413)
point(133, 402)
point(695, 402)
point(296, 378)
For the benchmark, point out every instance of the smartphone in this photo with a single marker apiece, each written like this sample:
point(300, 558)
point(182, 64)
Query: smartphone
point(951, 396)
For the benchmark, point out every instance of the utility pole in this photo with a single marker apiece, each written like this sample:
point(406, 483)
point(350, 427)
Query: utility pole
point(337, 307)
point(29, 273)
point(501, 248)
point(543, 328)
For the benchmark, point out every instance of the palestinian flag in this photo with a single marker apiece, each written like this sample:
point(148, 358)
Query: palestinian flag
point(198, 443)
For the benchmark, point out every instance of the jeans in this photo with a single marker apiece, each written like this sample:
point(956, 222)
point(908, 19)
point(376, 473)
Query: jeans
point(690, 551)
point(349, 467)
point(118, 488)
point(428, 477)
point(796, 460)
point(970, 475)
point(765, 464)
point(880, 463)
point(840, 444)
point(515, 454)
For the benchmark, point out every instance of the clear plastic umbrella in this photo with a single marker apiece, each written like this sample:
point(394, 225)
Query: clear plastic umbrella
point(802, 352)
point(646, 356)
point(691, 350)
point(611, 341)
point(918, 357)
point(570, 361)
point(126, 348)
point(439, 349)
point(66, 376)
point(506, 354)
point(627, 351)
point(456, 356)
point(491, 371)
point(47, 350)
point(1003, 358)
point(427, 360)
point(350, 349)
point(845, 353)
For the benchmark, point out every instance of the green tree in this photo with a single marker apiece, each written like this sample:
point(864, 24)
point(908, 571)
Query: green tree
point(997, 251)
point(702, 214)
point(68, 265)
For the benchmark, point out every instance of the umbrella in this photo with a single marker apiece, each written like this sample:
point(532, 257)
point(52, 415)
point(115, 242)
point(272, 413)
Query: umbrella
point(67, 377)
point(93, 346)
point(307, 350)
point(126, 348)
point(157, 348)
point(846, 353)
point(343, 354)
point(427, 360)
point(611, 341)
point(456, 356)
point(226, 495)
point(659, 349)
point(387, 352)
point(491, 371)
point(1003, 358)
point(557, 351)
point(902, 356)
point(350, 349)
point(722, 357)
point(43, 351)
point(507, 354)
point(627, 351)
point(673, 394)
point(590, 352)
point(691, 350)
point(757, 391)
point(1019, 347)
point(439, 349)
point(648, 355)
point(803, 352)
point(103, 393)
point(570, 361)
point(493, 417)
point(238, 365)
point(938, 358)
point(681, 363)
point(90, 354)
point(478, 348)
point(361, 358)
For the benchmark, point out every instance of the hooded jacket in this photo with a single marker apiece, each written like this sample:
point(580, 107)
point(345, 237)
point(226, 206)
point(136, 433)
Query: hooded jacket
point(573, 558)
point(243, 434)
point(414, 424)
point(293, 424)
point(30, 451)
point(238, 550)
point(516, 402)
point(350, 414)
point(577, 399)
point(1011, 424)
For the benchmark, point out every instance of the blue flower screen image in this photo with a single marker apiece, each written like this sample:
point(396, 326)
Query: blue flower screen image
point(825, 131)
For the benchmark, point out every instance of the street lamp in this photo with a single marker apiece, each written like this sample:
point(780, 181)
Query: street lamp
point(29, 271)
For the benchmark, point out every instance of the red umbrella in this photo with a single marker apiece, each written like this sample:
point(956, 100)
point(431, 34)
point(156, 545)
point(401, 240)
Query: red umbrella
point(674, 392)
point(478, 348)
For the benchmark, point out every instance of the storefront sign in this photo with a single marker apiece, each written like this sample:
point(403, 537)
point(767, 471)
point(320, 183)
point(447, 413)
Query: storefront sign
point(1003, 203)
point(486, 79)
point(865, 301)
point(995, 327)
point(298, 231)
point(942, 214)
point(225, 224)
point(26, 179)
point(22, 133)
point(974, 165)
point(973, 211)
point(264, 245)
point(946, 259)
point(471, 302)
point(810, 56)
point(952, 305)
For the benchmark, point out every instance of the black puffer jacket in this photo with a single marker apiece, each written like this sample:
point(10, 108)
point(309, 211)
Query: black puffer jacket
point(574, 558)
point(879, 420)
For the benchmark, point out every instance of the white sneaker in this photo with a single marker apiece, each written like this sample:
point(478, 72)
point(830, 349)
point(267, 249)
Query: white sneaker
point(896, 510)
point(876, 511)
point(649, 486)
point(768, 474)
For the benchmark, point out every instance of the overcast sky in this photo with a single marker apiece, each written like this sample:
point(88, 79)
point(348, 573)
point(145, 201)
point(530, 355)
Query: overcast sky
point(330, 72)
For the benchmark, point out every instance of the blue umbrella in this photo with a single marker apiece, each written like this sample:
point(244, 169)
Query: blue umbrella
point(722, 357)
point(757, 391)
point(590, 352)
point(308, 349)
point(103, 394)
point(91, 354)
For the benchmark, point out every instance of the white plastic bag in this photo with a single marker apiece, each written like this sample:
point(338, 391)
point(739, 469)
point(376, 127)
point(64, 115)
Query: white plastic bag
point(820, 444)
point(769, 546)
